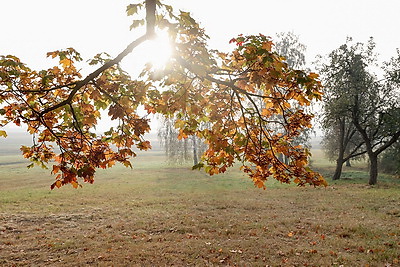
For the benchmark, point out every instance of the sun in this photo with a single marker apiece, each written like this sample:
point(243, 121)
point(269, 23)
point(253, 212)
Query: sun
point(158, 50)
point(154, 53)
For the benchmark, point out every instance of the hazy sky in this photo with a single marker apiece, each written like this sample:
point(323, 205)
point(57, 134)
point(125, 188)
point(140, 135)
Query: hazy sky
point(30, 28)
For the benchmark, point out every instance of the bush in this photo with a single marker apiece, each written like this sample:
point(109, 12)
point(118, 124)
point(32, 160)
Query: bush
point(390, 159)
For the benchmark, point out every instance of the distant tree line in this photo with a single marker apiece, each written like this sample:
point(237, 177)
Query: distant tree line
point(179, 150)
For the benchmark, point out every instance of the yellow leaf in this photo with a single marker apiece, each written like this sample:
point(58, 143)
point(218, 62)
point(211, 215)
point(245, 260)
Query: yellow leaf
point(269, 104)
point(267, 46)
point(112, 163)
point(266, 112)
point(302, 100)
point(66, 62)
point(58, 92)
point(179, 124)
point(286, 105)
point(31, 130)
point(3, 133)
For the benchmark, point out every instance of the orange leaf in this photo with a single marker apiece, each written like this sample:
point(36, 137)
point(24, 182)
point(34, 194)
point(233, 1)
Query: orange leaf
point(58, 184)
point(56, 168)
point(182, 135)
point(313, 75)
point(74, 184)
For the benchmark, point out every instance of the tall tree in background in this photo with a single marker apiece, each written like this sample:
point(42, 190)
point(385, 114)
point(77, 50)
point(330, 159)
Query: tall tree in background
point(59, 106)
point(357, 107)
point(289, 46)
point(380, 126)
point(390, 160)
point(179, 150)
point(341, 79)
point(341, 142)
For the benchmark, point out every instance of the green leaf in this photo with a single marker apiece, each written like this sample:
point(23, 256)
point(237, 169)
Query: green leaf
point(136, 23)
point(133, 9)
point(198, 166)
point(187, 19)
point(100, 104)
point(127, 164)
point(180, 124)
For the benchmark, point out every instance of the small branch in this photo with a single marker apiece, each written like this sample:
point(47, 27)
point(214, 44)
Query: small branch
point(226, 83)
point(49, 89)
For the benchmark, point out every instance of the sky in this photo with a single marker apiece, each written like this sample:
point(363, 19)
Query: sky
point(29, 29)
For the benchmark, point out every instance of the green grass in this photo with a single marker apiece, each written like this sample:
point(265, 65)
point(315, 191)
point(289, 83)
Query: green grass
point(356, 174)
point(162, 215)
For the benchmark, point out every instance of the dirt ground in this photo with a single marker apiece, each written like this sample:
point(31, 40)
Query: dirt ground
point(341, 225)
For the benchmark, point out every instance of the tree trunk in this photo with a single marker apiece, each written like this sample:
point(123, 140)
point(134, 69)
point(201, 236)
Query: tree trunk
point(340, 161)
point(195, 159)
point(373, 169)
point(338, 171)
point(348, 164)
point(151, 6)
point(185, 150)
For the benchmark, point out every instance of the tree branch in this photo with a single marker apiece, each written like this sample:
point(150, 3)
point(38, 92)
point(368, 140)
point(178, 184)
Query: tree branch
point(96, 73)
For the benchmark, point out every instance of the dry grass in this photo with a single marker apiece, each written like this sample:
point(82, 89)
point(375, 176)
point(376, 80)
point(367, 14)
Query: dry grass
point(157, 215)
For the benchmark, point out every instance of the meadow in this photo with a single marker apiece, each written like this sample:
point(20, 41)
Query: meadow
point(162, 215)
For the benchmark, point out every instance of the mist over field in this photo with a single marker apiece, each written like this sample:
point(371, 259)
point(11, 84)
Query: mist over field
point(11, 145)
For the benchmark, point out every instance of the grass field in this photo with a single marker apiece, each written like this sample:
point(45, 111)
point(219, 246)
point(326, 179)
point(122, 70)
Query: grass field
point(160, 215)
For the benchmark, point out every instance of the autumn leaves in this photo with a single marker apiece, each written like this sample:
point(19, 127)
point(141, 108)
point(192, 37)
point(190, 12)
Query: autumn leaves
point(247, 106)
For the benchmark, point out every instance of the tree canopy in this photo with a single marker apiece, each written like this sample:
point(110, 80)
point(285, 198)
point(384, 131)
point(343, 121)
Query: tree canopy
point(61, 108)
point(359, 107)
